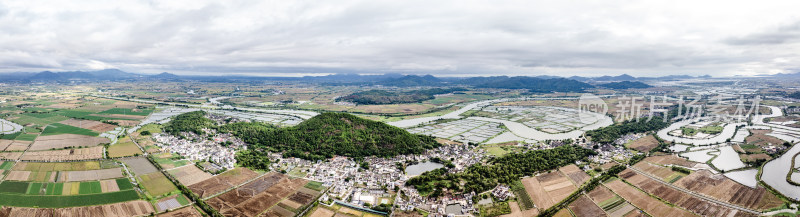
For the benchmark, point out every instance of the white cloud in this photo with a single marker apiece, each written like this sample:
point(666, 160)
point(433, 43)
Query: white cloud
point(457, 37)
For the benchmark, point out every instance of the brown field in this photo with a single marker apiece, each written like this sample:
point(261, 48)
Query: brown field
point(575, 174)
point(188, 211)
point(759, 137)
point(66, 140)
point(754, 157)
point(222, 182)
point(639, 199)
point(661, 172)
point(96, 126)
point(139, 165)
point(5, 143)
point(396, 213)
point(608, 165)
point(563, 213)
point(18, 145)
point(277, 211)
point(18, 175)
point(71, 166)
point(126, 123)
point(644, 144)
point(130, 208)
point(109, 185)
point(78, 176)
point(253, 198)
point(64, 155)
point(600, 194)
point(724, 189)
point(190, 175)
point(291, 204)
point(10, 155)
point(322, 212)
point(670, 160)
point(124, 148)
point(583, 206)
point(679, 198)
point(548, 189)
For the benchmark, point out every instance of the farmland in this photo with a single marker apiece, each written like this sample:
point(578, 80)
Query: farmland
point(274, 194)
point(548, 189)
point(583, 206)
point(644, 144)
point(673, 196)
point(640, 199)
point(222, 182)
point(59, 128)
point(124, 148)
point(56, 195)
point(724, 189)
point(66, 140)
point(613, 204)
point(156, 184)
point(65, 155)
point(190, 175)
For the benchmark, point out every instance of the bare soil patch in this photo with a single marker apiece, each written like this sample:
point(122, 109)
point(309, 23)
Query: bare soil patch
point(10, 155)
point(721, 188)
point(130, 208)
point(679, 198)
point(66, 140)
point(253, 198)
point(65, 155)
point(585, 207)
point(548, 189)
point(322, 212)
point(18, 146)
point(190, 175)
point(96, 126)
point(188, 211)
point(644, 144)
point(670, 160)
point(78, 176)
point(575, 174)
point(223, 182)
point(139, 165)
point(645, 202)
point(18, 175)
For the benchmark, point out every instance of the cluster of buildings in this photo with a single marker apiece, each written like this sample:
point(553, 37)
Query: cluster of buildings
point(197, 148)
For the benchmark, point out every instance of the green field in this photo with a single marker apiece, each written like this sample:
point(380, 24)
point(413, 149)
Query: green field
point(90, 188)
point(156, 184)
point(6, 165)
point(40, 119)
point(123, 111)
point(124, 184)
point(27, 137)
point(11, 136)
point(13, 187)
point(313, 185)
point(182, 200)
point(34, 188)
point(58, 128)
point(22, 200)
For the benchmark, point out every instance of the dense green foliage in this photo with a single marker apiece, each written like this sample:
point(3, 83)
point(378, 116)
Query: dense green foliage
point(625, 85)
point(380, 97)
point(537, 85)
point(189, 122)
point(610, 133)
point(326, 135)
point(795, 95)
point(411, 81)
point(505, 170)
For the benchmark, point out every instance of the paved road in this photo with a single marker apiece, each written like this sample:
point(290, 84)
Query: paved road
point(709, 199)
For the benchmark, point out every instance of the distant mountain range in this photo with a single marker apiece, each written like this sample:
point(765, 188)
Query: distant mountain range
point(99, 75)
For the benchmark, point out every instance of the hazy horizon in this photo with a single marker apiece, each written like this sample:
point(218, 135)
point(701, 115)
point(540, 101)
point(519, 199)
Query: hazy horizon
point(445, 38)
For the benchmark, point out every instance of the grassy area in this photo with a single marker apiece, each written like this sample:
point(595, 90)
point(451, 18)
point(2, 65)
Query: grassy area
point(70, 166)
point(90, 188)
point(156, 184)
point(124, 147)
point(124, 111)
point(525, 201)
point(314, 185)
point(58, 128)
point(124, 184)
point(27, 137)
point(711, 129)
point(6, 165)
point(495, 209)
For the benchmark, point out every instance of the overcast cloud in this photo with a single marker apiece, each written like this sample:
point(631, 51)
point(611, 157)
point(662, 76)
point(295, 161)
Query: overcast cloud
point(446, 38)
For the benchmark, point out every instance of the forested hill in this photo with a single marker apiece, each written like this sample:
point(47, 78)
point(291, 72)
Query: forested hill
point(625, 85)
point(329, 134)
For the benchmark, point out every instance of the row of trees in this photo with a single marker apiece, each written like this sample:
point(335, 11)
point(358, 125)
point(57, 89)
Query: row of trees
point(505, 170)
point(380, 97)
point(610, 133)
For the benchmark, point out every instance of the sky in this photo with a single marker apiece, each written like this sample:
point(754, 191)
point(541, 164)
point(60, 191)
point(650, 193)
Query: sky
point(443, 37)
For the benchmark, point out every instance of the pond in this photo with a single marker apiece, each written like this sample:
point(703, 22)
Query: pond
point(744, 177)
point(417, 169)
